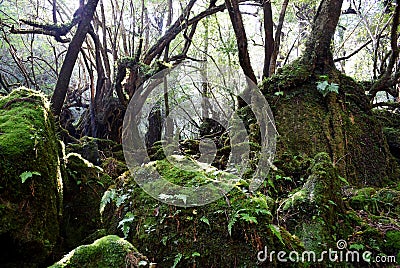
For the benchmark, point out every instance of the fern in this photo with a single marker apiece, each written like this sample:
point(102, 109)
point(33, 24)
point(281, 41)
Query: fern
point(276, 231)
point(234, 218)
point(177, 259)
point(28, 174)
point(126, 222)
point(231, 222)
point(108, 197)
point(246, 217)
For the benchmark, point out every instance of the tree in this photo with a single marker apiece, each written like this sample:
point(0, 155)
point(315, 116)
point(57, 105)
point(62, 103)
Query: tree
point(60, 91)
point(318, 52)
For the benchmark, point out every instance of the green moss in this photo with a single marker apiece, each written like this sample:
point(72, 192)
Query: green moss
point(29, 211)
point(393, 239)
point(83, 189)
point(205, 236)
point(109, 251)
point(377, 201)
point(340, 124)
point(316, 208)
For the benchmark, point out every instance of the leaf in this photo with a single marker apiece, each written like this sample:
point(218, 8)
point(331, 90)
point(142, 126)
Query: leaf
point(263, 211)
point(164, 240)
point(331, 202)
point(195, 254)
point(205, 220)
point(357, 246)
point(108, 196)
point(276, 231)
point(333, 88)
point(248, 218)
point(344, 180)
point(28, 174)
point(177, 259)
point(321, 86)
point(125, 223)
point(279, 93)
point(121, 199)
point(231, 222)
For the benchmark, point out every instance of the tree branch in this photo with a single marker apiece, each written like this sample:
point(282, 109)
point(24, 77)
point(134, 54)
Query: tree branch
point(386, 80)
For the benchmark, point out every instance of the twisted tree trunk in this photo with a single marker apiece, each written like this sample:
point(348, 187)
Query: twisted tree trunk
point(318, 51)
point(60, 91)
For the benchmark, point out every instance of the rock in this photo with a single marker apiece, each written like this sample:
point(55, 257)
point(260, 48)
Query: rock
point(83, 188)
point(316, 208)
point(341, 124)
point(30, 180)
point(108, 251)
point(228, 232)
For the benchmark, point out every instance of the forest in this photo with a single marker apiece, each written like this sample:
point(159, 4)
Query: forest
point(199, 133)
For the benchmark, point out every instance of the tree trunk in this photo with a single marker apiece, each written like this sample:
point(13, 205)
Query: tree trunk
point(60, 91)
point(237, 23)
point(269, 37)
point(318, 51)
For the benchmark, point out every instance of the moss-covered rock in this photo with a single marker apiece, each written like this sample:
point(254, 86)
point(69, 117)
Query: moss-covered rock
point(377, 201)
point(83, 189)
point(108, 251)
point(96, 150)
point(228, 232)
point(30, 180)
point(314, 211)
point(340, 124)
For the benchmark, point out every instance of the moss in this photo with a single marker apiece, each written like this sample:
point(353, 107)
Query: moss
point(83, 189)
point(109, 251)
point(340, 124)
point(316, 208)
point(393, 239)
point(377, 201)
point(95, 150)
point(205, 236)
point(113, 168)
point(393, 139)
point(29, 211)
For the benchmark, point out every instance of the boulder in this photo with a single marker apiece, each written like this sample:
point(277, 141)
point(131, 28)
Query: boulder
point(30, 180)
point(108, 251)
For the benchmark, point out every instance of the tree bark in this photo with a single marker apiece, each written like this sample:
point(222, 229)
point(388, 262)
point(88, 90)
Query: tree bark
point(236, 19)
point(277, 42)
point(269, 37)
point(318, 51)
point(60, 91)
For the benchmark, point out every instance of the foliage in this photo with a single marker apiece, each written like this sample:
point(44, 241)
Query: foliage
point(324, 87)
point(28, 174)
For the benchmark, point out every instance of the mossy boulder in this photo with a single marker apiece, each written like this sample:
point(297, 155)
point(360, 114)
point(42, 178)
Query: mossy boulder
point(226, 233)
point(30, 179)
point(314, 211)
point(95, 150)
point(340, 124)
point(377, 201)
point(83, 188)
point(108, 251)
